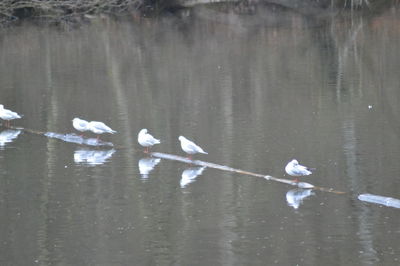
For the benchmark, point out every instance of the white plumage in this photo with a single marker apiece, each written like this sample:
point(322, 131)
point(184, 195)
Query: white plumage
point(190, 147)
point(100, 128)
point(293, 168)
point(146, 140)
point(80, 124)
point(8, 115)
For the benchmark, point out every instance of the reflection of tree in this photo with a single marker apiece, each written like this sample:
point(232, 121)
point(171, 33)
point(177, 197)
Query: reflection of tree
point(391, 109)
point(343, 47)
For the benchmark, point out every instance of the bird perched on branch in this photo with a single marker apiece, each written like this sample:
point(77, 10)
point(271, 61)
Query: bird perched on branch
point(99, 128)
point(80, 124)
point(8, 115)
point(190, 147)
point(293, 168)
point(147, 140)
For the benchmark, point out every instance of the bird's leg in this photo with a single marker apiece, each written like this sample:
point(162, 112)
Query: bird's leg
point(296, 180)
point(146, 150)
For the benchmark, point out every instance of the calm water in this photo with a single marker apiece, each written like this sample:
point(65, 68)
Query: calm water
point(253, 92)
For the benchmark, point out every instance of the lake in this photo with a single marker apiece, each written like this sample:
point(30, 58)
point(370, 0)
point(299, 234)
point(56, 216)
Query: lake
point(253, 90)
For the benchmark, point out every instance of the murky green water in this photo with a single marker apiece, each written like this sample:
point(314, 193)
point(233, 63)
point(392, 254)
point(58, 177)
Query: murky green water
point(254, 93)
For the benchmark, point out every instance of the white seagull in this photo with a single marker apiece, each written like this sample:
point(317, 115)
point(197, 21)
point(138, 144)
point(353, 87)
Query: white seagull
point(99, 128)
point(80, 124)
point(293, 168)
point(190, 147)
point(8, 115)
point(146, 140)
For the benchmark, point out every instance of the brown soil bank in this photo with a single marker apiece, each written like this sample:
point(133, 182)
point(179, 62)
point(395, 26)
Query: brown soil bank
point(76, 10)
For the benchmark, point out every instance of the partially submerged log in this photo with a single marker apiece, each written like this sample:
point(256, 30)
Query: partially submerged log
point(86, 155)
point(69, 137)
point(381, 200)
point(239, 171)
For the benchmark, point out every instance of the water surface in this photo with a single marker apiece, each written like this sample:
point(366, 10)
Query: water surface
point(253, 92)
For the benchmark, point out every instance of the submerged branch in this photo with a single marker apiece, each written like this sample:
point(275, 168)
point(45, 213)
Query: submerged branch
point(72, 138)
point(69, 137)
point(98, 157)
point(239, 171)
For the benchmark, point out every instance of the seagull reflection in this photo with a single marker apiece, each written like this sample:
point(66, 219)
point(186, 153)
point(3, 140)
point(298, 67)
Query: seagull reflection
point(92, 157)
point(190, 174)
point(73, 138)
point(7, 136)
point(146, 165)
point(295, 197)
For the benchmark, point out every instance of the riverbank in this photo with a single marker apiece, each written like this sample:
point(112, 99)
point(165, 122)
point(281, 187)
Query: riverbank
point(74, 11)
point(67, 10)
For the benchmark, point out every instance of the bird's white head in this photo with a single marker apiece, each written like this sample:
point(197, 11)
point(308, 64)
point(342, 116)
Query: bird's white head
point(295, 162)
point(143, 131)
point(181, 138)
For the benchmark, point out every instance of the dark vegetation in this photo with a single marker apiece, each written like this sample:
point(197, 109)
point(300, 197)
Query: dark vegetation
point(66, 10)
point(78, 10)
